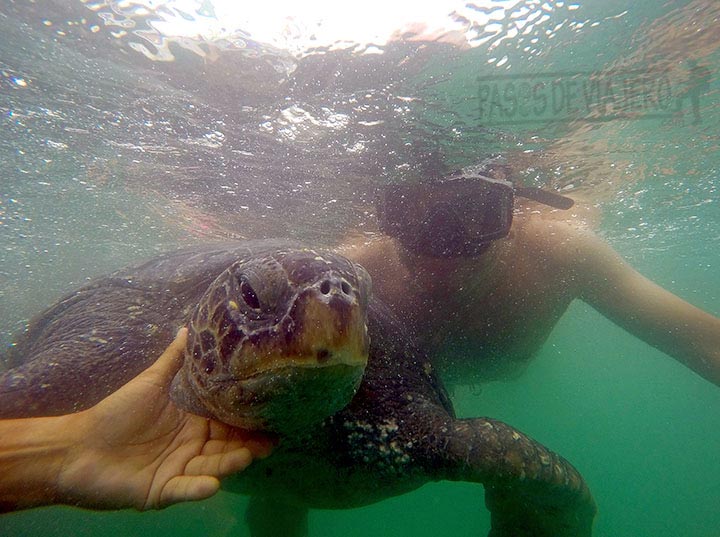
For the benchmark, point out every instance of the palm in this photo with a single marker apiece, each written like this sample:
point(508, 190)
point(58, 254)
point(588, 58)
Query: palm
point(142, 451)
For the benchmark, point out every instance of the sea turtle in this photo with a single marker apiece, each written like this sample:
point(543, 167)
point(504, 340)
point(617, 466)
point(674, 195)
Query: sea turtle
point(278, 336)
point(294, 310)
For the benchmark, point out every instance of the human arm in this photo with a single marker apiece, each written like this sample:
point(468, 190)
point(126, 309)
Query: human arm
point(643, 308)
point(133, 449)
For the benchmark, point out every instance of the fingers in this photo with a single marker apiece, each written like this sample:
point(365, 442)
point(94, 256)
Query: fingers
point(219, 464)
point(260, 444)
point(187, 488)
point(171, 360)
point(202, 477)
point(260, 448)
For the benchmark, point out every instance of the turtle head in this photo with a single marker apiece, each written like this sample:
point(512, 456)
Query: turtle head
point(278, 342)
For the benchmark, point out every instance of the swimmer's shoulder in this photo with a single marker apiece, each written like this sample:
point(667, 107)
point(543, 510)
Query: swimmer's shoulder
point(378, 254)
point(563, 246)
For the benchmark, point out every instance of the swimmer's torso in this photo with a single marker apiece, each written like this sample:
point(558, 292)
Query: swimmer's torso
point(480, 319)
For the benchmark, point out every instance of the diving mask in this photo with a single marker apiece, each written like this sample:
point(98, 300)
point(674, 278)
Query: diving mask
point(457, 216)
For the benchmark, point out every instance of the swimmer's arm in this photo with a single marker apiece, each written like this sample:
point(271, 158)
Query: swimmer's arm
point(135, 448)
point(645, 309)
point(32, 452)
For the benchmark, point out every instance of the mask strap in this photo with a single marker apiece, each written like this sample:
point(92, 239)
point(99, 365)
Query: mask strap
point(543, 196)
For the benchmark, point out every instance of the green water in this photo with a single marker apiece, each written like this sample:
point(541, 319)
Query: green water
point(643, 430)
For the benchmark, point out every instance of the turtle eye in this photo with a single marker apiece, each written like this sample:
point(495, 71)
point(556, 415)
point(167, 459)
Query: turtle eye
point(249, 296)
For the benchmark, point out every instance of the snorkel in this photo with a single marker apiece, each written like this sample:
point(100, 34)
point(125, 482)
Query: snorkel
point(459, 215)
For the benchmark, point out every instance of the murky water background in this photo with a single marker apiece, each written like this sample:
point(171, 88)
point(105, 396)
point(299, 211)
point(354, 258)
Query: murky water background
point(119, 142)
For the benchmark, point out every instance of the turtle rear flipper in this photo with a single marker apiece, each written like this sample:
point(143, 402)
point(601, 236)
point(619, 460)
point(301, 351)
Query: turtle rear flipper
point(529, 490)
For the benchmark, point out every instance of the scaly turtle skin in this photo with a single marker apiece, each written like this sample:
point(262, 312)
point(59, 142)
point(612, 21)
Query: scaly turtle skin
point(398, 432)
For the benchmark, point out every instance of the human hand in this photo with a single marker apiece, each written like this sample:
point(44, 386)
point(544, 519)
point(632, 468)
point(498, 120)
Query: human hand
point(137, 449)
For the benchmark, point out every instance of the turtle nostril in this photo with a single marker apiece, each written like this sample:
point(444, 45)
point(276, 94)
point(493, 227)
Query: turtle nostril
point(325, 287)
point(322, 356)
point(346, 287)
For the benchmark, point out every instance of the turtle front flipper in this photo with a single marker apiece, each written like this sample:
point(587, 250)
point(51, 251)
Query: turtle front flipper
point(529, 490)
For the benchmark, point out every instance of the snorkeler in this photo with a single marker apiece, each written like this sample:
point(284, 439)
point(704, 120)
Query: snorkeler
point(472, 279)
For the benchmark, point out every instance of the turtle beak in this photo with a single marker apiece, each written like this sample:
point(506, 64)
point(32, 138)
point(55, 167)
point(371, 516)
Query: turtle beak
point(333, 323)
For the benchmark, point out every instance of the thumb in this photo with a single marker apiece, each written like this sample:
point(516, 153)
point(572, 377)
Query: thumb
point(170, 361)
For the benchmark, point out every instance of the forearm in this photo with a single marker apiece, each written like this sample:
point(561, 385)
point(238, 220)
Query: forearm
point(693, 340)
point(32, 453)
point(660, 318)
point(685, 332)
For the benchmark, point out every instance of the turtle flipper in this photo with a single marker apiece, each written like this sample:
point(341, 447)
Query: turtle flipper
point(84, 348)
point(268, 517)
point(402, 422)
point(529, 490)
point(537, 513)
